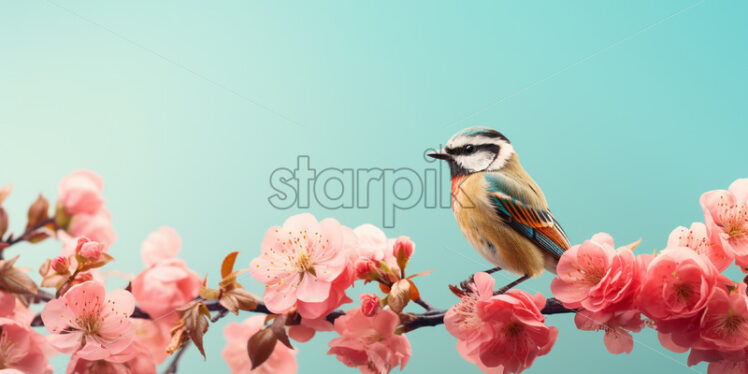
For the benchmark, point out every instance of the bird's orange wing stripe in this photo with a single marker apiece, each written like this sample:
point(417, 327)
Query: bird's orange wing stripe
point(541, 221)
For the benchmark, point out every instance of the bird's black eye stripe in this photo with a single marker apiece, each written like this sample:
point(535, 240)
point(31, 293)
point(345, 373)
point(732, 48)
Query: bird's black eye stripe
point(470, 148)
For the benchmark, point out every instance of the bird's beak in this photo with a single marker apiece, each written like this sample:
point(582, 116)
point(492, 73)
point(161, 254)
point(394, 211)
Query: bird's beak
point(439, 155)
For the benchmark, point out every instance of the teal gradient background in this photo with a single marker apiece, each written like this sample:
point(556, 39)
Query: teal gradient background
point(186, 107)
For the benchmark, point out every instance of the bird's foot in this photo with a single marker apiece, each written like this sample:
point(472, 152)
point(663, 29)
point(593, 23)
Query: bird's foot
point(465, 285)
point(509, 286)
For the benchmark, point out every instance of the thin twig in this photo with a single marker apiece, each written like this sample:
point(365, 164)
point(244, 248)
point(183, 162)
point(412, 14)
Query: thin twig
point(14, 240)
point(172, 369)
point(432, 316)
point(425, 304)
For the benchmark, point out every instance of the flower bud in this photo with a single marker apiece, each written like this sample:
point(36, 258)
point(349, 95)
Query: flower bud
point(366, 270)
point(38, 212)
point(91, 250)
point(369, 304)
point(60, 264)
point(402, 250)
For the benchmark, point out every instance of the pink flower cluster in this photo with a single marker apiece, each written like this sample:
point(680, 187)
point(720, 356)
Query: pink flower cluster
point(603, 282)
point(499, 333)
point(165, 285)
point(370, 343)
point(95, 327)
point(21, 348)
point(281, 361)
point(80, 198)
point(307, 266)
point(681, 290)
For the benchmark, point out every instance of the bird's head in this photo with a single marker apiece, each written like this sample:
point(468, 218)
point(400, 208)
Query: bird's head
point(475, 149)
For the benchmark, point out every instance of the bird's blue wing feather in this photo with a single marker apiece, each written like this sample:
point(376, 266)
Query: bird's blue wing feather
point(537, 225)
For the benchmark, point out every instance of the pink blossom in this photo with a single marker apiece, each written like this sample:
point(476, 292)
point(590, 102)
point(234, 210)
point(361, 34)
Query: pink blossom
point(375, 247)
point(597, 277)
point(96, 226)
point(336, 298)
point(369, 304)
point(366, 269)
point(89, 322)
point(135, 359)
point(22, 349)
point(301, 265)
point(163, 244)
point(281, 361)
point(305, 331)
point(166, 283)
point(10, 308)
point(60, 264)
point(403, 246)
point(155, 335)
point(88, 249)
point(80, 192)
point(617, 327)
point(677, 284)
point(370, 343)
point(372, 242)
point(519, 331)
point(702, 242)
point(726, 213)
point(728, 360)
point(728, 367)
point(724, 324)
point(679, 334)
point(463, 322)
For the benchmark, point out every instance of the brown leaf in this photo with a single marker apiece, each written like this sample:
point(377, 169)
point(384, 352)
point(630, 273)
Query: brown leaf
point(384, 288)
point(227, 267)
point(399, 296)
point(423, 273)
point(279, 330)
point(414, 294)
point(196, 318)
point(50, 277)
point(14, 280)
point(38, 212)
point(62, 218)
point(3, 221)
point(238, 299)
point(260, 346)
point(37, 236)
point(209, 293)
point(269, 318)
point(86, 264)
point(177, 337)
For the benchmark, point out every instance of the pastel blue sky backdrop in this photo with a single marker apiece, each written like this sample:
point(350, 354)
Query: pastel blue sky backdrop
point(162, 100)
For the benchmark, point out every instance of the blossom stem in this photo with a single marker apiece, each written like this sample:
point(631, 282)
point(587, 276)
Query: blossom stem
point(172, 369)
point(425, 304)
point(14, 240)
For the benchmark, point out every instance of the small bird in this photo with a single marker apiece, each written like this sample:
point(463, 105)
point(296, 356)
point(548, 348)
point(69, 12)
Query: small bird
point(500, 209)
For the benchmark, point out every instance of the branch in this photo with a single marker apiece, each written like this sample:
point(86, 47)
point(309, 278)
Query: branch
point(172, 369)
point(432, 316)
point(11, 240)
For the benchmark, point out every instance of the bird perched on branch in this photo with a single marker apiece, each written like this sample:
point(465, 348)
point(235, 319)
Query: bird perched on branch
point(500, 209)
